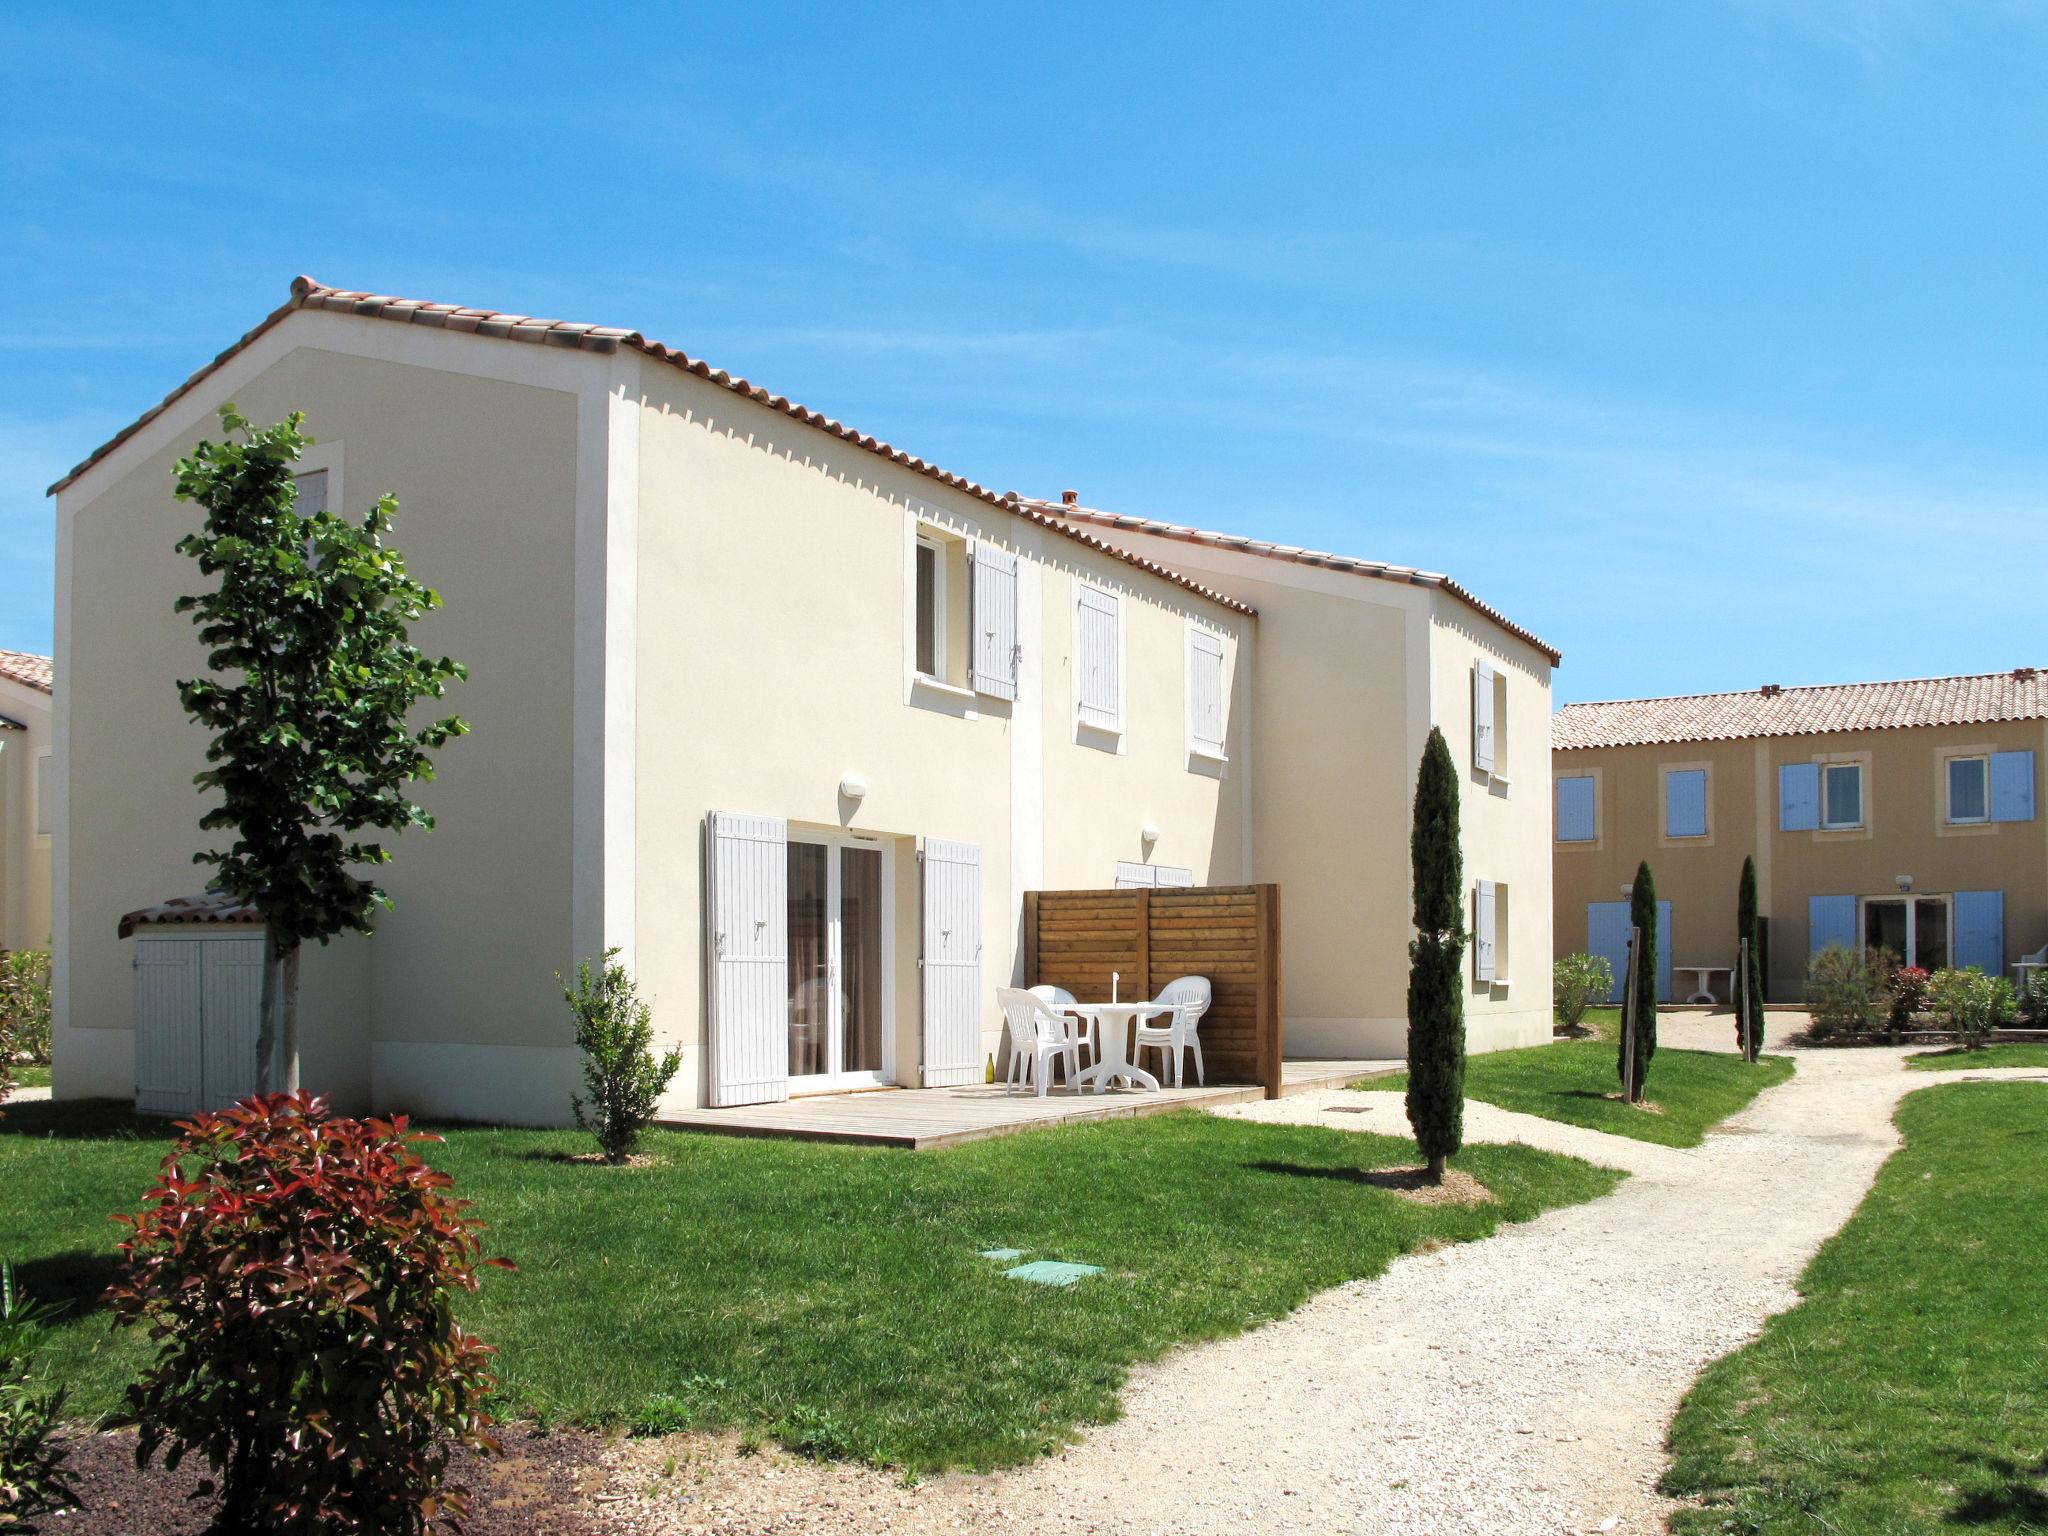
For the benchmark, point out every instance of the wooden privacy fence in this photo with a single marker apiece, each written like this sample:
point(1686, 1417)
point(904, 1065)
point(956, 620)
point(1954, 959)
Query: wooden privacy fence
point(1228, 933)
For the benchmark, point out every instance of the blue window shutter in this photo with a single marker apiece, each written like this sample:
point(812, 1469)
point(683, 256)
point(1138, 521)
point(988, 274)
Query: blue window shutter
point(1685, 802)
point(1663, 951)
point(2012, 786)
point(1980, 931)
point(1799, 797)
point(1830, 920)
point(1607, 936)
point(1575, 809)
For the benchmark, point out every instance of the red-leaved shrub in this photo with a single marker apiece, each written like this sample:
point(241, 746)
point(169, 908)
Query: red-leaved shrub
point(298, 1272)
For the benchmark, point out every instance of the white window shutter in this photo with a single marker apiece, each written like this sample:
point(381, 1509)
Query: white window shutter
point(311, 487)
point(746, 946)
point(1135, 877)
point(168, 1051)
point(952, 964)
point(1483, 931)
point(1205, 690)
point(1100, 662)
point(1482, 717)
point(992, 613)
point(231, 985)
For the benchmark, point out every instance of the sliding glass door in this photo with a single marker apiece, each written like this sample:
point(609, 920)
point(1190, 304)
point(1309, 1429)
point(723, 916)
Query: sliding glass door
point(838, 964)
point(1913, 929)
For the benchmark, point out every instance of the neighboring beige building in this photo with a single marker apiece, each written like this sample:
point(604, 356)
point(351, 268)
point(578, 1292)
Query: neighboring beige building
point(27, 806)
point(1898, 815)
point(791, 718)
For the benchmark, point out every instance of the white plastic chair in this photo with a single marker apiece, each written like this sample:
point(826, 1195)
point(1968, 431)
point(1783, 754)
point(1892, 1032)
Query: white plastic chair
point(2026, 965)
point(1037, 1037)
point(1059, 1000)
point(1189, 997)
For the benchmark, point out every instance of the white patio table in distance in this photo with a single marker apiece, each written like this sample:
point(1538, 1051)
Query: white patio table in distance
point(1113, 1035)
point(1704, 975)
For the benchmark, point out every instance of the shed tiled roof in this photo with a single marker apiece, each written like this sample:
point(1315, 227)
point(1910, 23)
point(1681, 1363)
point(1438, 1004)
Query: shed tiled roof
point(2021, 694)
point(25, 667)
point(308, 294)
point(179, 911)
point(1377, 569)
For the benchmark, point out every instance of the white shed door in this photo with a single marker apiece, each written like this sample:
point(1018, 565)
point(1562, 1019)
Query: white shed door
point(167, 1026)
point(952, 964)
point(747, 952)
point(231, 1006)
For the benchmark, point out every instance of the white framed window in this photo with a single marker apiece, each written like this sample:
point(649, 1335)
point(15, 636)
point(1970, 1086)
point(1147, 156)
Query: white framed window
point(1969, 790)
point(1205, 693)
point(930, 603)
point(46, 796)
point(312, 492)
point(1841, 796)
point(1490, 721)
point(1098, 660)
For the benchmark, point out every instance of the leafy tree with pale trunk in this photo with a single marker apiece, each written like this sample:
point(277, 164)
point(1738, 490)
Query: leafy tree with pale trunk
point(311, 677)
point(1751, 981)
point(1642, 912)
point(1436, 997)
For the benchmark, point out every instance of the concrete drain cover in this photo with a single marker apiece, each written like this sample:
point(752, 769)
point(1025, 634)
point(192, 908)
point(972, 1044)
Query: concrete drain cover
point(1052, 1272)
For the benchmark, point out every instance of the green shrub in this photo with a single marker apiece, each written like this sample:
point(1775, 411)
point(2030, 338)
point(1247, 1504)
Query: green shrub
point(1577, 982)
point(2030, 1000)
point(31, 1460)
point(1846, 992)
point(1971, 1003)
point(25, 1005)
point(298, 1272)
point(625, 1079)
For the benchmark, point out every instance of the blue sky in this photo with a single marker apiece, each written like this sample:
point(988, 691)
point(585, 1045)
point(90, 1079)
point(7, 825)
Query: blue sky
point(1702, 337)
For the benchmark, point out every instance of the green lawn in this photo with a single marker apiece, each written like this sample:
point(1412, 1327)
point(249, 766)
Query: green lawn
point(1575, 1081)
point(2019, 1053)
point(1605, 1023)
point(1908, 1392)
point(832, 1295)
point(31, 1077)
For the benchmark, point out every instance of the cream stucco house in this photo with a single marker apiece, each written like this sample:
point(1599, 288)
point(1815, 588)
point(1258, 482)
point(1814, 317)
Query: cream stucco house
point(27, 800)
point(791, 718)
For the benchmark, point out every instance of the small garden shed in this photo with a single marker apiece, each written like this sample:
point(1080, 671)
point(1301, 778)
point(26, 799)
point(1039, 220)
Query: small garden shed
point(198, 1002)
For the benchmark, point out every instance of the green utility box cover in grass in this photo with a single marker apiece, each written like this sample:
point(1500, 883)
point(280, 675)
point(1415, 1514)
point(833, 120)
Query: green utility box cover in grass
point(1052, 1272)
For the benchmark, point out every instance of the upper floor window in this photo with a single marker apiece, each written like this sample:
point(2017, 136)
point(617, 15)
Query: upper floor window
point(1489, 720)
point(1841, 795)
point(1098, 659)
point(1969, 789)
point(1576, 809)
point(931, 608)
point(1685, 802)
point(1205, 692)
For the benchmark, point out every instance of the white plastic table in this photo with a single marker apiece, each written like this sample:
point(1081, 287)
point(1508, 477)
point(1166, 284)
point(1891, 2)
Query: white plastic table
point(1113, 1043)
point(1704, 974)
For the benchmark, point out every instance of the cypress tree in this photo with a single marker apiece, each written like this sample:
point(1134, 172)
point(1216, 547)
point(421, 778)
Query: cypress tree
point(1642, 912)
point(1436, 999)
point(1752, 980)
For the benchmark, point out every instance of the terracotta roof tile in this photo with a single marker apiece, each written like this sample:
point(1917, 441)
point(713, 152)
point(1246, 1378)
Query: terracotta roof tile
point(307, 294)
point(26, 667)
point(2021, 694)
point(1299, 556)
point(208, 907)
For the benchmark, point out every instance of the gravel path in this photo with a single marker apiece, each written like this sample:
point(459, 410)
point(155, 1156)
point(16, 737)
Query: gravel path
point(1520, 1384)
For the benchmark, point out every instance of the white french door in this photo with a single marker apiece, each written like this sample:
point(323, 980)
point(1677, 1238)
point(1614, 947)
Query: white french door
point(839, 954)
point(1915, 929)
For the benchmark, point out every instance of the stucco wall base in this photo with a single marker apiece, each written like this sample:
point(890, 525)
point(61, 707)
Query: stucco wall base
point(498, 1084)
point(92, 1063)
point(1373, 1039)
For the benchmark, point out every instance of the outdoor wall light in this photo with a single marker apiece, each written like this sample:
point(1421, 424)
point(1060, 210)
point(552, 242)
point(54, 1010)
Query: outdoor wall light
point(1903, 882)
point(1149, 833)
point(853, 786)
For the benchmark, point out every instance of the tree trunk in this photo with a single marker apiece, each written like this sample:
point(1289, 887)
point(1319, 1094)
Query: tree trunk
point(277, 1035)
point(1436, 1169)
